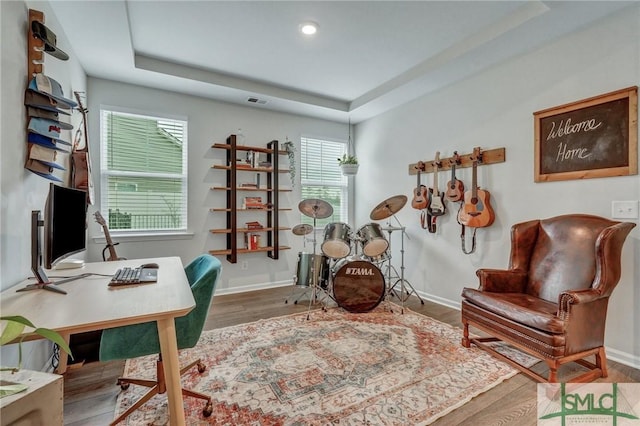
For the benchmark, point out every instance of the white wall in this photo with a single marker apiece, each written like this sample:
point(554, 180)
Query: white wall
point(210, 122)
point(23, 191)
point(492, 110)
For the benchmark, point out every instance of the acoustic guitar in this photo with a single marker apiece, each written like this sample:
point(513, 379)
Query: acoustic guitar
point(476, 211)
point(80, 160)
point(455, 187)
point(436, 205)
point(111, 246)
point(420, 200)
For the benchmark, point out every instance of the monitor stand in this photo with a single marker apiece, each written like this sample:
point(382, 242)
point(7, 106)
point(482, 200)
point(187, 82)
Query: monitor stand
point(43, 286)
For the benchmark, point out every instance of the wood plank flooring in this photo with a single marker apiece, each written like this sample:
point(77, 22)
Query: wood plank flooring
point(90, 391)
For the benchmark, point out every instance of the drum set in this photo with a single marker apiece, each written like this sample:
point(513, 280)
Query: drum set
point(354, 268)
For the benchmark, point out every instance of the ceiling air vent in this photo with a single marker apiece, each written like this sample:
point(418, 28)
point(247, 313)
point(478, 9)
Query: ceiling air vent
point(256, 101)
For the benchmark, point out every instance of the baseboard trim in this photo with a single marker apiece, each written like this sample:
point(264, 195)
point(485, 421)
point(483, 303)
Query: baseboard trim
point(252, 287)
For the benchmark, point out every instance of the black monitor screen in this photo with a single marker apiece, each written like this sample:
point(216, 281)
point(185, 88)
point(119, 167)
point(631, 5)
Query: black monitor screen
point(65, 223)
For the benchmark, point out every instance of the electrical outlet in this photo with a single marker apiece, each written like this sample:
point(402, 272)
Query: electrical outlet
point(244, 265)
point(624, 209)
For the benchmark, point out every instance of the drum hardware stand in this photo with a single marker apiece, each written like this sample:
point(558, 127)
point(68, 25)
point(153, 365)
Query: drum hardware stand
point(404, 293)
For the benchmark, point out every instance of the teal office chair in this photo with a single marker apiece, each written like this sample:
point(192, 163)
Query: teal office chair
point(136, 340)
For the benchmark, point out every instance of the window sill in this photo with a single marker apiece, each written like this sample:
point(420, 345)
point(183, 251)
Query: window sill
point(131, 237)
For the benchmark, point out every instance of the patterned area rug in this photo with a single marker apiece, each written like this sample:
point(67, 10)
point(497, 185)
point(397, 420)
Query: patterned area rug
point(374, 368)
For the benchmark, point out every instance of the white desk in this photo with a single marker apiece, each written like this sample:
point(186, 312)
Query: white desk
point(92, 305)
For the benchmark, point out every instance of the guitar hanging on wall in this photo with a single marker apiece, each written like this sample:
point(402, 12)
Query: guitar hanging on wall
point(476, 211)
point(80, 159)
point(455, 187)
point(420, 200)
point(111, 246)
point(436, 204)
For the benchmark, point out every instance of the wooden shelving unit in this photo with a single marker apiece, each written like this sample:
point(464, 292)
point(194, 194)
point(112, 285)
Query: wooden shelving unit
point(232, 189)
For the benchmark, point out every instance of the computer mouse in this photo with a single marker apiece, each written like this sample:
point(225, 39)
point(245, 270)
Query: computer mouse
point(150, 266)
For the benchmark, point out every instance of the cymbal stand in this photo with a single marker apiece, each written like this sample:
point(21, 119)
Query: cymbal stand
point(404, 283)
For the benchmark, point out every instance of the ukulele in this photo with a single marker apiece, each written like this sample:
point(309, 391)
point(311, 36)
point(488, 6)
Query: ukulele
point(455, 187)
point(419, 201)
point(436, 206)
point(80, 160)
point(110, 244)
point(476, 210)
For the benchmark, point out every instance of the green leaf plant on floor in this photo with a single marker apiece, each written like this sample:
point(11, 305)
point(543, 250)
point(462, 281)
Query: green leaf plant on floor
point(13, 329)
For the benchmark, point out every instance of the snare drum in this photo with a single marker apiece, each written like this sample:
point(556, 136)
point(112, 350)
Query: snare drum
point(312, 266)
point(337, 240)
point(358, 285)
point(372, 239)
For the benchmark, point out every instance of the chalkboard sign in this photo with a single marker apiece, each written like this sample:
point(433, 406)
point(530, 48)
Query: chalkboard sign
point(595, 137)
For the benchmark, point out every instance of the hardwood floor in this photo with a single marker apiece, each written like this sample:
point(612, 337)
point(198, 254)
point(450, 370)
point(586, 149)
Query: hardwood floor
point(90, 391)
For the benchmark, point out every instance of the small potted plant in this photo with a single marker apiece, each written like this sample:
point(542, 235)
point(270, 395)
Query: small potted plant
point(13, 329)
point(348, 164)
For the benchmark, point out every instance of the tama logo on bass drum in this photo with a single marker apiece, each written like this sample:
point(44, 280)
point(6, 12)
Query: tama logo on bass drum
point(359, 271)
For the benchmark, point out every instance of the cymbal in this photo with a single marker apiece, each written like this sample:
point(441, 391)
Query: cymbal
point(314, 207)
point(388, 207)
point(302, 229)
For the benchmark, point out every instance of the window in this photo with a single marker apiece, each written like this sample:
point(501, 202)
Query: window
point(143, 172)
point(322, 178)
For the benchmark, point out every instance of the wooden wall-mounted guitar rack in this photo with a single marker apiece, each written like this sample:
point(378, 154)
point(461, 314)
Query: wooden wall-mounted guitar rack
point(35, 55)
point(490, 156)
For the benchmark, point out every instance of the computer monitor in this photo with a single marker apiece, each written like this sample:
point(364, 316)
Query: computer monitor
point(65, 232)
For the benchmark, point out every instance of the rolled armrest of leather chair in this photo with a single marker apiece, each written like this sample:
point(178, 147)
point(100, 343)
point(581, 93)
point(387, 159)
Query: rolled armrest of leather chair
point(501, 280)
point(575, 297)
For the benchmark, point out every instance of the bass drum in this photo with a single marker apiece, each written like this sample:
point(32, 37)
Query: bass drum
point(358, 285)
point(310, 266)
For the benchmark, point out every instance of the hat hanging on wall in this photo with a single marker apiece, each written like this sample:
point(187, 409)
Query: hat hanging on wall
point(41, 32)
point(49, 87)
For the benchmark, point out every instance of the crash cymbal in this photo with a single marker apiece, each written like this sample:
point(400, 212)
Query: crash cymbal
point(302, 229)
point(388, 207)
point(314, 207)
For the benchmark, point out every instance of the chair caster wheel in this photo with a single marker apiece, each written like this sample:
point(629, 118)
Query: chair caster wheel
point(123, 386)
point(208, 410)
point(201, 367)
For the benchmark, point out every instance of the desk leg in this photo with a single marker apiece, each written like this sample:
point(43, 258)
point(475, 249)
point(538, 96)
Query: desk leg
point(169, 350)
point(62, 362)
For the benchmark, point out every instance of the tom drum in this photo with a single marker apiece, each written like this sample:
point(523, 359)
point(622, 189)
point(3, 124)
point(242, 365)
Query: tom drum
point(337, 240)
point(372, 239)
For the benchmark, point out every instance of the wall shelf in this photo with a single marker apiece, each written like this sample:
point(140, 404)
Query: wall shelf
point(232, 189)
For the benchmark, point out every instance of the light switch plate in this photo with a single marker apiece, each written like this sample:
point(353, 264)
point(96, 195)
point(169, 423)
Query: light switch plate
point(624, 209)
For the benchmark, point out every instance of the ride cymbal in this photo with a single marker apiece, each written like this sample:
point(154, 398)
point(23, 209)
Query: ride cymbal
point(302, 229)
point(388, 207)
point(314, 207)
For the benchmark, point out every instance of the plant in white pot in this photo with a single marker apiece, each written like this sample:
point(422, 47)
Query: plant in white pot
point(348, 164)
point(13, 329)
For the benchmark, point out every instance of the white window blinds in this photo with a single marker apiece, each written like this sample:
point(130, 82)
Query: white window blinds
point(143, 172)
point(322, 178)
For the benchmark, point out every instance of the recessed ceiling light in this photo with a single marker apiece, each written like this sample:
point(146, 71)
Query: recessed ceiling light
point(308, 28)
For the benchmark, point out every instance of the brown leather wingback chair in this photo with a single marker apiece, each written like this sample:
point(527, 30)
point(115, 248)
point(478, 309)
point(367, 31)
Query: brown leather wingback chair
point(552, 301)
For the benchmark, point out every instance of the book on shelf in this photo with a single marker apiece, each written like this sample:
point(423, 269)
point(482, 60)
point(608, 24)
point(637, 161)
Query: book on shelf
point(252, 241)
point(253, 225)
point(253, 203)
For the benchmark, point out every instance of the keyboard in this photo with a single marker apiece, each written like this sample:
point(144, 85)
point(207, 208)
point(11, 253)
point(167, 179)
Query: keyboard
point(127, 275)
